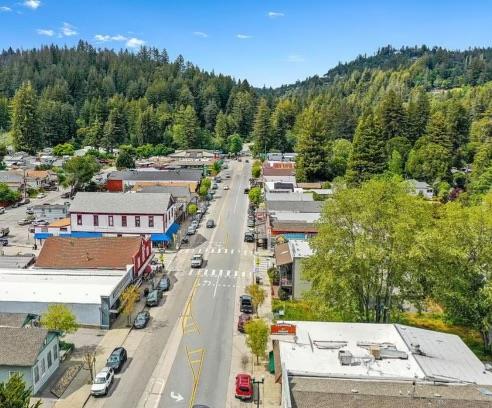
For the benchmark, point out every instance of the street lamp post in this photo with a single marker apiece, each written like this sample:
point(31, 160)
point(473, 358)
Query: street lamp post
point(258, 382)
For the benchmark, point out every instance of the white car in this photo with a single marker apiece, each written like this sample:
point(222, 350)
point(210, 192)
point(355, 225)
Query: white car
point(226, 187)
point(102, 382)
point(41, 195)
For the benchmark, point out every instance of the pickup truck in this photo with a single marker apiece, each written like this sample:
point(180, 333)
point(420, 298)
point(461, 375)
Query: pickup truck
point(197, 261)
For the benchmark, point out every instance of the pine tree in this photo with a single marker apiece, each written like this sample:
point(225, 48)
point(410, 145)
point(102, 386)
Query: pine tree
point(148, 127)
point(368, 155)
point(4, 114)
point(283, 120)
point(221, 130)
point(458, 123)
point(26, 128)
point(114, 129)
point(262, 132)
point(312, 158)
point(438, 132)
point(185, 128)
point(242, 113)
point(418, 115)
point(392, 116)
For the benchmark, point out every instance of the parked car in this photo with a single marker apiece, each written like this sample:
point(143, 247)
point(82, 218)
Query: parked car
point(66, 195)
point(243, 319)
point(41, 195)
point(226, 187)
point(51, 187)
point(24, 221)
point(2, 210)
point(153, 298)
point(246, 304)
point(215, 186)
point(29, 211)
point(210, 224)
point(164, 284)
point(102, 382)
point(246, 190)
point(244, 387)
point(197, 261)
point(141, 319)
point(218, 179)
point(4, 241)
point(247, 161)
point(185, 240)
point(40, 222)
point(249, 236)
point(251, 222)
point(191, 230)
point(4, 231)
point(117, 359)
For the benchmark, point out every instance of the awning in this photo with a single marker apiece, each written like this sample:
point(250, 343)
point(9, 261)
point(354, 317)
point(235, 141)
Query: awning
point(160, 237)
point(173, 229)
point(42, 235)
point(86, 234)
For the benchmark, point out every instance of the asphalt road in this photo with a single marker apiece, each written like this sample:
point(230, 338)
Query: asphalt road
point(144, 382)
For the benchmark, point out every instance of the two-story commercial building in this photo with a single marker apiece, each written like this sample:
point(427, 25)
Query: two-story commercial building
point(124, 214)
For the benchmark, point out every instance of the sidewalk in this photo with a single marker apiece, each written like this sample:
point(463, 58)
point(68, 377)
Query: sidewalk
point(242, 359)
point(113, 338)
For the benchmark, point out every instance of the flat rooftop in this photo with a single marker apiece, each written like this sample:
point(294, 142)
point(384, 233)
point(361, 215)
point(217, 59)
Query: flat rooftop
point(407, 354)
point(57, 286)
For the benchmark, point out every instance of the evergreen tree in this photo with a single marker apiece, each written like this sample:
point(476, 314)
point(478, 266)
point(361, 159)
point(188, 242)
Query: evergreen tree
point(262, 132)
point(395, 163)
point(242, 113)
point(125, 160)
point(185, 128)
point(210, 113)
point(148, 127)
point(429, 162)
point(418, 115)
point(283, 120)
point(26, 128)
point(57, 122)
point(114, 129)
point(458, 123)
point(438, 131)
point(312, 157)
point(392, 116)
point(368, 154)
point(221, 129)
point(4, 114)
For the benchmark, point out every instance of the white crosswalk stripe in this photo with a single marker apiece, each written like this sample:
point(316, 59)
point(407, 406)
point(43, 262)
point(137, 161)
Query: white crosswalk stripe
point(232, 251)
point(205, 272)
point(191, 272)
point(225, 250)
point(200, 250)
point(243, 274)
point(228, 273)
point(220, 273)
point(213, 272)
point(235, 274)
point(219, 250)
point(212, 250)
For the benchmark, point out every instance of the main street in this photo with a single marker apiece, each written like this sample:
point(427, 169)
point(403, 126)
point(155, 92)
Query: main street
point(158, 372)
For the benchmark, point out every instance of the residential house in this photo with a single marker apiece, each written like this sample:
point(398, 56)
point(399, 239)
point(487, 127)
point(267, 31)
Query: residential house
point(422, 188)
point(38, 179)
point(12, 179)
point(50, 212)
point(124, 214)
point(121, 181)
point(87, 275)
point(339, 365)
point(288, 259)
point(31, 351)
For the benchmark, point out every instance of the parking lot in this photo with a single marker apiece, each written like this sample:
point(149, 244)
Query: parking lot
point(20, 239)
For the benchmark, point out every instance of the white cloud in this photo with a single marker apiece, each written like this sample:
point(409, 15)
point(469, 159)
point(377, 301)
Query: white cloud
point(68, 30)
point(134, 42)
point(102, 37)
point(42, 31)
point(295, 58)
point(243, 36)
point(107, 37)
point(5, 9)
point(118, 37)
point(32, 4)
point(275, 14)
point(200, 34)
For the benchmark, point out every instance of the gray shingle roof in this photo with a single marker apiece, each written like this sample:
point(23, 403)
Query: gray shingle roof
point(20, 346)
point(13, 319)
point(176, 191)
point(157, 175)
point(10, 177)
point(121, 203)
point(296, 206)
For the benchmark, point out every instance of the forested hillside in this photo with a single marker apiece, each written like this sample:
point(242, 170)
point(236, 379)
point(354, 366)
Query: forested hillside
point(418, 112)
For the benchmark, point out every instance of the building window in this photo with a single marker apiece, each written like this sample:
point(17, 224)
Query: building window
point(79, 219)
point(43, 367)
point(123, 220)
point(50, 361)
point(151, 221)
point(55, 351)
point(110, 221)
point(36, 374)
point(137, 221)
point(96, 220)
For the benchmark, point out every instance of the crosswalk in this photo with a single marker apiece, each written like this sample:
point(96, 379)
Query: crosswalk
point(217, 273)
point(219, 250)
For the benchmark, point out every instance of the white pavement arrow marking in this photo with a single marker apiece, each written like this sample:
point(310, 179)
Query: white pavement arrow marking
point(207, 282)
point(178, 397)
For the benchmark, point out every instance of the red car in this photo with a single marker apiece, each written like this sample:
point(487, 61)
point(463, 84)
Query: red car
point(244, 387)
point(243, 319)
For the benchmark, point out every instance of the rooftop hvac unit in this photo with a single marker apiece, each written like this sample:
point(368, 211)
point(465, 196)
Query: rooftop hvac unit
point(345, 357)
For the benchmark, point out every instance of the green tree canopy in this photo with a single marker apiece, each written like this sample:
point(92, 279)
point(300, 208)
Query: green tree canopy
point(14, 393)
point(26, 127)
point(255, 196)
point(59, 318)
point(257, 337)
point(79, 170)
point(125, 160)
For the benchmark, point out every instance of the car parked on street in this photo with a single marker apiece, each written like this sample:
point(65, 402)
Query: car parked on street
point(141, 319)
point(210, 223)
point(191, 230)
point(243, 319)
point(4, 241)
point(185, 240)
point(164, 284)
point(197, 261)
point(102, 382)
point(251, 222)
point(153, 298)
point(244, 387)
point(24, 201)
point(246, 304)
point(226, 187)
point(2, 210)
point(4, 231)
point(24, 221)
point(117, 359)
point(249, 236)
point(41, 195)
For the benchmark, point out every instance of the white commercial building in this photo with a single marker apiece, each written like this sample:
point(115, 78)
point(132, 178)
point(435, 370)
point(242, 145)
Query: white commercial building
point(90, 294)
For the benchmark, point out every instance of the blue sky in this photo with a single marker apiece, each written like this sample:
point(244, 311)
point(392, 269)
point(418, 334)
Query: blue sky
point(268, 42)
